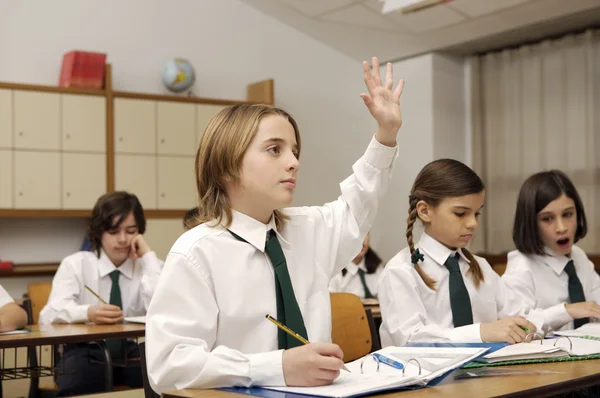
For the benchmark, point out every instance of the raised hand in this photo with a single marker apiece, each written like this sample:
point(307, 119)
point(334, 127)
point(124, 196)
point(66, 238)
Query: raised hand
point(382, 102)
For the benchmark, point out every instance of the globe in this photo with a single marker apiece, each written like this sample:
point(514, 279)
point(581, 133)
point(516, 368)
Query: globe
point(178, 75)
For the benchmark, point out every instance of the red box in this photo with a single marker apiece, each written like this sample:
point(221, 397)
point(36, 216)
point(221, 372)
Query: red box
point(82, 69)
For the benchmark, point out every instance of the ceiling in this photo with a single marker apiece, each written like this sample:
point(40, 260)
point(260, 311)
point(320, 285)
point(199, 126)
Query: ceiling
point(359, 29)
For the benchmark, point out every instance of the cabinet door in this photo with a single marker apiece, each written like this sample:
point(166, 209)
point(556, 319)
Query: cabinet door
point(37, 180)
point(176, 183)
point(37, 120)
point(83, 123)
point(135, 126)
point(137, 174)
point(84, 179)
point(176, 128)
point(203, 115)
point(161, 234)
point(6, 178)
point(6, 118)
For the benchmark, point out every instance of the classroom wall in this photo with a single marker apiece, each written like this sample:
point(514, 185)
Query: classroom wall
point(231, 44)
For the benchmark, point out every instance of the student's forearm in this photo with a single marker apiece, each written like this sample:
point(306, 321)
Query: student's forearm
point(386, 136)
point(12, 317)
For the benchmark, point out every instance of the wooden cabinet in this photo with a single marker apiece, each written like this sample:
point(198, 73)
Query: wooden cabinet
point(176, 183)
point(6, 178)
point(83, 123)
point(137, 174)
point(6, 119)
point(37, 180)
point(176, 128)
point(36, 120)
point(83, 179)
point(135, 126)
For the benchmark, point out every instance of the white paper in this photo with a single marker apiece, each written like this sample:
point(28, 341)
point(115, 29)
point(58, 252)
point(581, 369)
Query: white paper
point(136, 319)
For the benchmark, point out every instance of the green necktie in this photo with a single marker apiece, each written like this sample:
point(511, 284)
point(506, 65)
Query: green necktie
point(462, 314)
point(368, 293)
point(576, 294)
point(115, 346)
point(288, 311)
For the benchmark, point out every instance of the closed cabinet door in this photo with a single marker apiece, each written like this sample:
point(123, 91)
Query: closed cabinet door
point(176, 183)
point(83, 123)
point(36, 120)
point(161, 234)
point(137, 174)
point(176, 128)
point(203, 115)
point(6, 119)
point(37, 180)
point(135, 126)
point(6, 179)
point(84, 179)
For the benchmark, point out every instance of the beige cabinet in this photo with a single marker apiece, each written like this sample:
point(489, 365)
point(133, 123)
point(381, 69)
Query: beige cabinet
point(6, 179)
point(37, 180)
point(137, 174)
point(83, 179)
point(6, 119)
point(83, 123)
point(176, 183)
point(36, 120)
point(135, 126)
point(161, 234)
point(176, 131)
point(203, 115)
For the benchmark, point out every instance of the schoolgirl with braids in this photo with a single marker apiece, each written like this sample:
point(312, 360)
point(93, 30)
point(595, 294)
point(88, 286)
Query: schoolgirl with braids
point(437, 290)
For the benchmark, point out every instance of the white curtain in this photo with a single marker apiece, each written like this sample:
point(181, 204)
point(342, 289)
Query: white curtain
point(536, 108)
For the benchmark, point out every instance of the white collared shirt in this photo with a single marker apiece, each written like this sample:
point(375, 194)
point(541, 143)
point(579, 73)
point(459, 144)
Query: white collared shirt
point(412, 311)
point(206, 323)
point(541, 282)
point(351, 283)
point(69, 300)
point(5, 297)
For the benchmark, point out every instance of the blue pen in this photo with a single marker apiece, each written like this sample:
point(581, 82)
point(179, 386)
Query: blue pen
point(388, 361)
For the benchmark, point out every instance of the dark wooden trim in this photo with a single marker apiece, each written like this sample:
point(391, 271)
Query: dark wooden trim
point(30, 269)
point(164, 213)
point(38, 213)
point(110, 130)
point(174, 98)
point(53, 89)
point(556, 389)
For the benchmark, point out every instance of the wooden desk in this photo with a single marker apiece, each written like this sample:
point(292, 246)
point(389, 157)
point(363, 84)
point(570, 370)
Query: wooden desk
point(574, 376)
point(75, 333)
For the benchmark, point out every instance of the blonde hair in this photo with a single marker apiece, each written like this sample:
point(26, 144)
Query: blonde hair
point(438, 180)
point(219, 158)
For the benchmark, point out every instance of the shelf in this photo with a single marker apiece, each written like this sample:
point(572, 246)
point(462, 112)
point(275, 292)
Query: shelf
point(17, 213)
point(176, 98)
point(30, 269)
point(53, 89)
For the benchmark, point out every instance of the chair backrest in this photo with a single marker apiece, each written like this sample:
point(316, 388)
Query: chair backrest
point(38, 293)
point(148, 391)
point(350, 326)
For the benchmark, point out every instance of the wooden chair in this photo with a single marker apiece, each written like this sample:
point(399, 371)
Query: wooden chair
point(350, 326)
point(148, 391)
point(38, 293)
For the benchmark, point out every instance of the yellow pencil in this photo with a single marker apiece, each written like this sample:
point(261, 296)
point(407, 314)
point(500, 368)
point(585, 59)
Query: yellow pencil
point(291, 332)
point(94, 293)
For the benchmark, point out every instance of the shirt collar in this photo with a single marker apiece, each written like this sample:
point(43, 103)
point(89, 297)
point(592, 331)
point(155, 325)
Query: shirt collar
point(437, 251)
point(252, 230)
point(106, 266)
point(557, 262)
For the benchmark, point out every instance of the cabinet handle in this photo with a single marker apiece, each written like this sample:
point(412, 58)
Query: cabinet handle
point(20, 134)
point(120, 139)
point(162, 195)
point(68, 194)
point(162, 141)
point(68, 136)
point(20, 193)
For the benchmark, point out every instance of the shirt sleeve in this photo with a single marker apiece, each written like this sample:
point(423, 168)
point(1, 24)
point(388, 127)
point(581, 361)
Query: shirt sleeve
point(405, 316)
point(63, 304)
point(342, 225)
point(180, 347)
point(518, 294)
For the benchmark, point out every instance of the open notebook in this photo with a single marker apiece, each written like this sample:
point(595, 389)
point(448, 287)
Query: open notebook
point(544, 349)
point(434, 362)
point(591, 329)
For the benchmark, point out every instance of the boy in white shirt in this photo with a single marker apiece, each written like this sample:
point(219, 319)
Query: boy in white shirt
point(124, 272)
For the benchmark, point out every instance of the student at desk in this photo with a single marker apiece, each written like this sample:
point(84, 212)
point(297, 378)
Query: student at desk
point(361, 276)
point(123, 271)
point(251, 256)
point(12, 316)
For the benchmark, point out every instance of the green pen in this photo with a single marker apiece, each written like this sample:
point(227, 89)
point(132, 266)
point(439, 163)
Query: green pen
point(525, 328)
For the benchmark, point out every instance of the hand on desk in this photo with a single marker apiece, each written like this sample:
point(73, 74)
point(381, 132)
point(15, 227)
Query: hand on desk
point(506, 330)
point(586, 309)
point(315, 364)
point(102, 314)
